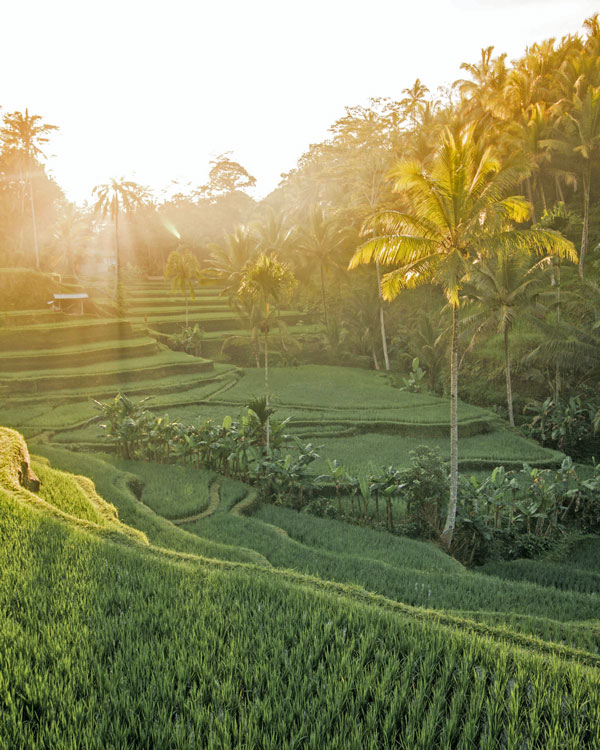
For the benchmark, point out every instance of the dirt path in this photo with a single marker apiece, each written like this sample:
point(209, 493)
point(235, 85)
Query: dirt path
point(213, 504)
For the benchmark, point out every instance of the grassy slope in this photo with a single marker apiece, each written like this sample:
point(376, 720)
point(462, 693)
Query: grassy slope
point(116, 486)
point(170, 491)
point(407, 571)
point(352, 415)
point(110, 645)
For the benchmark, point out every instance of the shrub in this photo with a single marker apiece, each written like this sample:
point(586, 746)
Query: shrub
point(570, 425)
point(426, 489)
point(26, 289)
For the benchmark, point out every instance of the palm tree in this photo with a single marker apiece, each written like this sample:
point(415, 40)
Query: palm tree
point(428, 343)
point(503, 287)
point(372, 177)
point(458, 213)
point(71, 236)
point(266, 280)
point(527, 135)
point(572, 342)
point(483, 96)
point(580, 136)
point(414, 101)
point(183, 269)
point(112, 199)
point(272, 233)
point(319, 240)
point(228, 259)
point(25, 133)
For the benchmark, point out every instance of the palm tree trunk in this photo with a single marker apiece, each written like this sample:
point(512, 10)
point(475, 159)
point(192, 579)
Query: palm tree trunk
point(324, 298)
point(530, 198)
point(586, 215)
point(382, 319)
point(22, 224)
point(118, 291)
point(256, 347)
point(375, 361)
point(186, 306)
point(448, 531)
point(33, 221)
point(267, 387)
point(543, 196)
point(558, 323)
point(509, 398)
point(561, 196)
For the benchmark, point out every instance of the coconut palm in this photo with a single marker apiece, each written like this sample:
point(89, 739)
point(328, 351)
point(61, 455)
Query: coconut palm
point(527, 134)
point(183, 270)
point(483, 96)
point(229, 258)
point(273, 234)
point(572, 342)
point(458, 212)
point(112, 199)
point(414, 101)
point(70, 239)
point(24, 134)
point(579, 136)
point(266, 281)
point(503, 287)
point(320, 239)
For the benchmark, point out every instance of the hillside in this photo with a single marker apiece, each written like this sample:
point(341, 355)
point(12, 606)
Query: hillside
point(159, 605)
point(109, 640)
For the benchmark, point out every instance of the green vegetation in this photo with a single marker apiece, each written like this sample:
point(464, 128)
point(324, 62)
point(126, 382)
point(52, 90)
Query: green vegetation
point(120, 488)
point(545, 573)
point(343, 671)
point(407, 571)
point(333, 536)
point(171, 491)
point(130, 630)
point(162, 589)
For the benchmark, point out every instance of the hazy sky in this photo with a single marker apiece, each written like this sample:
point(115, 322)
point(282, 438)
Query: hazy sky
point(153, 90)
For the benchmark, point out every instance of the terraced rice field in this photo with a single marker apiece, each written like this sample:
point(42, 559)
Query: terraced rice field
point(161, 607)
point(400, 569)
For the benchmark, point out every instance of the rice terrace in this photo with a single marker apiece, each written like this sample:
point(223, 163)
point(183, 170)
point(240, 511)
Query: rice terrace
point(317, 467)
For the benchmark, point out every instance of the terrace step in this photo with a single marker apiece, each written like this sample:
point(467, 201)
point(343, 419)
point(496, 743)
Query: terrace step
point(221, 322)
point(151, 387)
point(123, 372)
point(71, 333)
point(83, 354)
point(13, 318)
point(136, 312)
point(165, 292)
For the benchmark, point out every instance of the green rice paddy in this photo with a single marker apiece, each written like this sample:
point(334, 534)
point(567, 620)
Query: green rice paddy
point(145, 605)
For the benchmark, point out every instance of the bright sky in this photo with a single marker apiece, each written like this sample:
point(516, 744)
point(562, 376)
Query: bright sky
point(151, 91)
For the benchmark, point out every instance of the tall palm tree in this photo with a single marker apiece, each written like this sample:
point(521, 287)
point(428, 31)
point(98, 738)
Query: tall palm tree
point(484, 94)
point(183, 270)
point(25, 133)
point(371, 179)
point(527, 134)
point(70, 238)
point(414, 101)
point(320, 239)
point(580, 136)
point(229, 258)
point(503, 288)
point(572, 344)
point(266, 281)
point(458, 212)
point(112, 199)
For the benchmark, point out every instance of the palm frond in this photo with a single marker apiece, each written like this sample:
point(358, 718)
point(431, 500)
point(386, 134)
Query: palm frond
point(393, 251)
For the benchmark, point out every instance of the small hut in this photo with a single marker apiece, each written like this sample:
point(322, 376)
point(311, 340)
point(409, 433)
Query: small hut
point(68, 302)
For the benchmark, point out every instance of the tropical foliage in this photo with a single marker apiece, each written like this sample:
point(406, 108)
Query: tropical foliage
point(458, 213)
